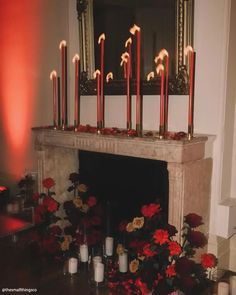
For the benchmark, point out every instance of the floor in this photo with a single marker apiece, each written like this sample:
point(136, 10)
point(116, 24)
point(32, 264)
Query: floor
point(24, 268)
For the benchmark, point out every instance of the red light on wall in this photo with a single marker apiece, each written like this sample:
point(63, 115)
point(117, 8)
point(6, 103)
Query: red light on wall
point(20, 36)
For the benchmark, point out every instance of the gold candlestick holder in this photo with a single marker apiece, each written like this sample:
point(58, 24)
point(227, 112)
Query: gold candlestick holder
point(128, 125)
point(161, 131)
point(190, 132)
point(139, 130)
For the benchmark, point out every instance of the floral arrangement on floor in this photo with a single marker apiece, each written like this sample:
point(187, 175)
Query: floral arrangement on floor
point(158, 263)
point(63, 223)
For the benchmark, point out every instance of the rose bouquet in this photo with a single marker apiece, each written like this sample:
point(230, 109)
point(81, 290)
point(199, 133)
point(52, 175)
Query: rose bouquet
point(62, 227)
point(84, 213)
point(158, 263)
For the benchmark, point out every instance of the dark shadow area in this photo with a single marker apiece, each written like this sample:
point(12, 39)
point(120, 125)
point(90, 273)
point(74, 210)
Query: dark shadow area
point(124, 184)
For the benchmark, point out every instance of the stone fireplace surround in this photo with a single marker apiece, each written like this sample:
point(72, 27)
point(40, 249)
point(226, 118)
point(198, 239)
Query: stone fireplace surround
point(189, 170)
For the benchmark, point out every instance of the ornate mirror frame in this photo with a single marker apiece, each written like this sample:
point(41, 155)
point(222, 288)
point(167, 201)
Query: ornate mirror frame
point(184, 37)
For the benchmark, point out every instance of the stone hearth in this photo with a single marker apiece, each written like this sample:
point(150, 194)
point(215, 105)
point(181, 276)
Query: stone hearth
point(189, 170)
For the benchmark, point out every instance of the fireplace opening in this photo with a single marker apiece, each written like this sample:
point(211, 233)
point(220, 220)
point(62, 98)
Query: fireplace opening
point(124, 184)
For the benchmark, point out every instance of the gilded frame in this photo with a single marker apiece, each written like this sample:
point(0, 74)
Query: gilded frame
point(184, 37)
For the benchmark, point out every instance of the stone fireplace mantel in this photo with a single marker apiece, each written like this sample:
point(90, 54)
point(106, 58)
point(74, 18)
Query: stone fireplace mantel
point(189, 170)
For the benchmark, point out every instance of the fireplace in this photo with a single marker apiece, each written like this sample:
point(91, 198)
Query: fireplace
point(189, 171)
point(124, 183)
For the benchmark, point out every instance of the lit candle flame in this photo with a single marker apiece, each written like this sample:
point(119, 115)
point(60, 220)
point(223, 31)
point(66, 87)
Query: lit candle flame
point(134, 29)
point(109, 76)
point(150, 76)
point(53, 74)
point(124, 58)
point(162, 54)
point(75, 58)
point(188, 49)
point(122, 62)
point(128, 41)
point(62, 44)
point(96, 73)
point(101, 37)
point(159, 69)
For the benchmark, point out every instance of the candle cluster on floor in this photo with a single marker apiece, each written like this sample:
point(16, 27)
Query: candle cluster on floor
point(60, 111)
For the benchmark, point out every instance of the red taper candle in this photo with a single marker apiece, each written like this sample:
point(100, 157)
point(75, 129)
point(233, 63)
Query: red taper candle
point(62, 47)
point(53, 77)
point(135, 30)
point(76, 61)
point(97, 75)
point(161, 71)
point(101, 40)
point(192, 56)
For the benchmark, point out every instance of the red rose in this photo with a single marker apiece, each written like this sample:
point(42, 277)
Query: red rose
point(35, 197)
point(55, 230)
point(150, 210)
point(161, 236)
point(96, 220)
point(184, 266)
point(147, 251)
point(170, 271)
point(48, 183)
point(193, 220)
point(208, 260)
point(50, 204)
point(175, 248)
point(142, 286)
point(92, 201)
point(196, 239)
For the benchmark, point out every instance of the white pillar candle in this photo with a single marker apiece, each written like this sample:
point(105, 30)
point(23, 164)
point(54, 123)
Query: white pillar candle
point(83, 253)
point(223, 288)
point(73, 265)
point(109, 246)
point(96, 259)
point(233, 285)
point(123, 262)
point(99, 272)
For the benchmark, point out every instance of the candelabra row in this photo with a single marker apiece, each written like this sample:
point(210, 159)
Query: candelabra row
point(60, 119)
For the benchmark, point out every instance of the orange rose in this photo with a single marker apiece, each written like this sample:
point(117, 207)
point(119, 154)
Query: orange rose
point(138, 222)
point(133, 266)
point(130, 227)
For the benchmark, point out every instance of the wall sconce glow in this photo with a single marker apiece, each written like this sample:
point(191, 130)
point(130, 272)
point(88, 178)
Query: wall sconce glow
point(19, 66)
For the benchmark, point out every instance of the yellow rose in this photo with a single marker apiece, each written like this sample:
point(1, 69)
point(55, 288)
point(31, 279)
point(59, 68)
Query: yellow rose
point(82, 188)
point(133, 266)
point(65, 245)
point(78, 202)
point(68, 238)
point(130, 227)
point(120, 249)
point(138, 222)
point(85, 208)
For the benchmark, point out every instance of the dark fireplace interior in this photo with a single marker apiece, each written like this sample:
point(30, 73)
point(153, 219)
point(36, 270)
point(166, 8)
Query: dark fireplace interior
point(124, 184)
